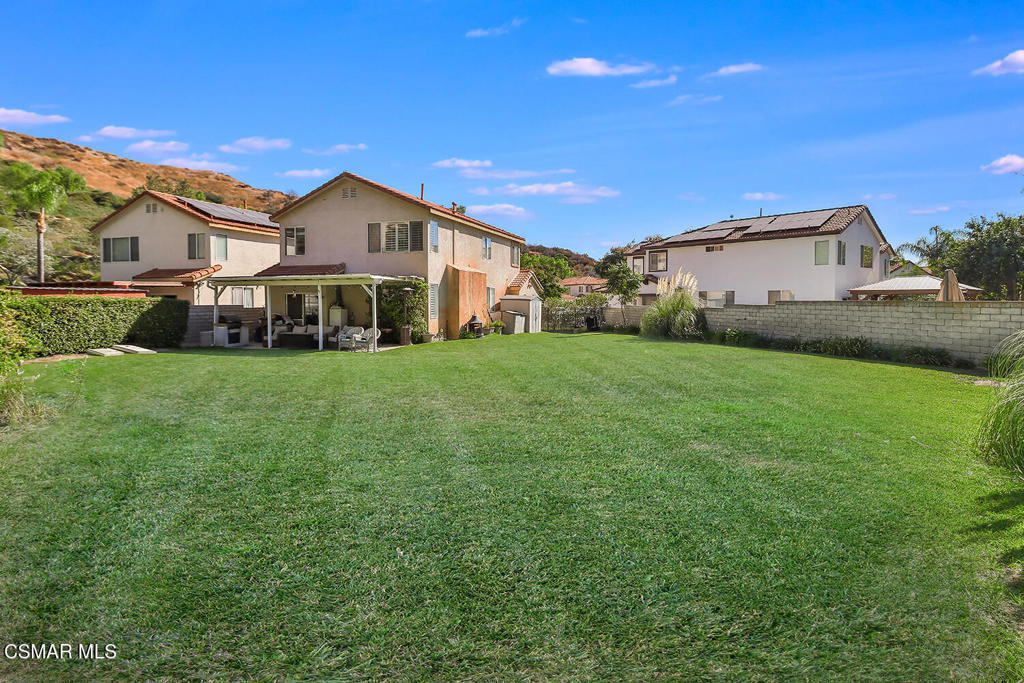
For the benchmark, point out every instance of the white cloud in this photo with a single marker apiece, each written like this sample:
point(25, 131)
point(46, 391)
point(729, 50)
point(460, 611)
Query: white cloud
point(343, 148)
point(507, 210)
point(733, 69)
point(571, 192)
point(690, 197)
point(931, 209)
point(588, 66)
point(509, 173)
point(1011, 163)
point(154, 148)
point(202, 162)
point(882, 196)
point(128, 133)
point(305, 173)
point(479, 191)
point(763, 196)
point(20, 117)
point(655, 82)
point(497, 30)
point(696, 99)
point(1012, 63)
point(255, 145)
point(462, 163)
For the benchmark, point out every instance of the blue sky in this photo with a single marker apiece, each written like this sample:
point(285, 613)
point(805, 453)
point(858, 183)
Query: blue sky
point(573, 124)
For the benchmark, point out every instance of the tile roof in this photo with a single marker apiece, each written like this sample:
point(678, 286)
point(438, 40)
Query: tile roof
point(405, 196)
point(523, 278)
point(582, 280)
point(310, 269)
point(183, 274)
point(757, 228)
point(206, 211)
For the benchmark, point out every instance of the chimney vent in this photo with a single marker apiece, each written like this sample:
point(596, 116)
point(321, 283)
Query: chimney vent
point(421, 191)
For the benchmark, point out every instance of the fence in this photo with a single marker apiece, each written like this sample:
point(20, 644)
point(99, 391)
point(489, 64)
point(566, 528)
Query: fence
point(970, 330)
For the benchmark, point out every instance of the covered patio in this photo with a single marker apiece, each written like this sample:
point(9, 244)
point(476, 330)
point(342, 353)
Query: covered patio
point(309, 285)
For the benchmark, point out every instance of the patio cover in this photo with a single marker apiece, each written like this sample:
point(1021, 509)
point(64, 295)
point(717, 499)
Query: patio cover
point(905, 286)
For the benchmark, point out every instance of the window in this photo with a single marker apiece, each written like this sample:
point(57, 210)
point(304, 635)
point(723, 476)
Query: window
point(840, 253)
point(396, 237)
point(433, 302)
point(885, 267)
point(638, 264)
point(120, 249)
point(302, 306)
point(516, 254)
point(197, 245)
point(294, 241)
point(821, 252)
point(153, 207)
point(242, 296)
point(867, 256)
point(718, 299)
point(776, 295)
point(714, 247)
point(220, 247)
point(659, 260)
point(486, 247)
point(490, 298)
point(434, 236)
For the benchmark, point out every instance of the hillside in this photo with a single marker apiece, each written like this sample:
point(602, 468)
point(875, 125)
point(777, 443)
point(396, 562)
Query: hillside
point(119, 176)
point(581, 263)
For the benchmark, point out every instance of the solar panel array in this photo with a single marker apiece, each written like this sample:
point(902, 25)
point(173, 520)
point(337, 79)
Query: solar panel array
point(756, 226)
point(230, 213)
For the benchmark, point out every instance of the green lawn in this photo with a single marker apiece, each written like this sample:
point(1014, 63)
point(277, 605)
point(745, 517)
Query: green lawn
point(539, 506)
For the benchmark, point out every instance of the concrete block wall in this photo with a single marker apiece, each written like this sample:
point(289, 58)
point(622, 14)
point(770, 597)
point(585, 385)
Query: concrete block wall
point(970, 330)
point(200, 319)
point(628, 315)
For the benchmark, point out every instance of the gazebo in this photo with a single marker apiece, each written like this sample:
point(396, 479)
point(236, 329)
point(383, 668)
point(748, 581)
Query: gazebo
point(914, 285)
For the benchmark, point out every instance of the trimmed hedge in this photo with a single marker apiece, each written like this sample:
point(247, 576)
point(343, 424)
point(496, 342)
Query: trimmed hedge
point(72, 324)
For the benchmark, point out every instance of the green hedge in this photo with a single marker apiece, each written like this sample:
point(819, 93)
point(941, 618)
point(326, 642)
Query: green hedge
point(72, 324)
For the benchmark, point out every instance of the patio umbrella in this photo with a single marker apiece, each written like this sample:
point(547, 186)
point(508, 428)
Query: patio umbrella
point(950, 289)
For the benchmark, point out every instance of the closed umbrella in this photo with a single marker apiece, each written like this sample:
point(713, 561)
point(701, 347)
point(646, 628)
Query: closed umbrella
point(950, 289)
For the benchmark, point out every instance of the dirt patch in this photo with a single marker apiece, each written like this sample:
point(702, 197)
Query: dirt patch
point(61, 356)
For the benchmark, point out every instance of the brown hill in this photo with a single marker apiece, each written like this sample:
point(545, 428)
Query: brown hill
point(581, 263)
point(119, 176)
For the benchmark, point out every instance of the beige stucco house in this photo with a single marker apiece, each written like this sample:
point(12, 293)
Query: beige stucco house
point(170, 245)
point(350, 234)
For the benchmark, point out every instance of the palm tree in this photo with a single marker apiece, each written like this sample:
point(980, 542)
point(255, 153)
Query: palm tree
point(932, 252)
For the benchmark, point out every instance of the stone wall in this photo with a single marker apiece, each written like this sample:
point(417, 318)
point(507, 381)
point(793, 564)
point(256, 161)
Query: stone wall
point(200, 319)
point(970, 330)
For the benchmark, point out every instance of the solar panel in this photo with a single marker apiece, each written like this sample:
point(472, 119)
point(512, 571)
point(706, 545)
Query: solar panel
point(702, 234)
point(230, 213)
point(799, 221)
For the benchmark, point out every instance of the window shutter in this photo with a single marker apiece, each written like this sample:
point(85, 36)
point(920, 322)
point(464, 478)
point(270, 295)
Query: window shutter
point(106, 250)
point(433, 301)
point(730, 298)
point(373, 238)
point(415, 235)
point(135, 249)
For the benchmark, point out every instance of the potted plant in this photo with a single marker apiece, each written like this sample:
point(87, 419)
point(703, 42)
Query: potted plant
point(496, 326)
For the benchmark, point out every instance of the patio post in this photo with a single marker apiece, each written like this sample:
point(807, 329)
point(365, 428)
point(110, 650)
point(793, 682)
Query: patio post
point(320, 313)
point(373, 334)
point(270, 323)
point(216, 311)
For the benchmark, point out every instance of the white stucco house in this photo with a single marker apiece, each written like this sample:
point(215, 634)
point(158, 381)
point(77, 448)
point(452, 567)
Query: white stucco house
point(170, 245)
point(804, 256)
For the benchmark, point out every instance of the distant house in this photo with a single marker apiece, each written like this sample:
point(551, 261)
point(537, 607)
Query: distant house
point(902, 267)
point(578, 285)
point(808, 255)
point(169, 245)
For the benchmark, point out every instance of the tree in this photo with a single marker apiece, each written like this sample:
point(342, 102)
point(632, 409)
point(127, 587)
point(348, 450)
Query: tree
point(550, 271)
point(990, 255)
point(614, 258)
point(932, 252)
point(157, 183)
point(624, 283)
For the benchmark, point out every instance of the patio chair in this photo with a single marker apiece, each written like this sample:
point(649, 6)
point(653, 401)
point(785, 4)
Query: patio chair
point(345, 335)
point(365, 339)
point(329, 333)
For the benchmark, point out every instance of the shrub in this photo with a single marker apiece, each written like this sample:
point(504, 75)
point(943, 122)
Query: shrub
point(852, 347)
point(922, 355)
point(674, 315)
point(392, 302)
point(72, 324)
point(1001, 437)
point(14, 345)
point(572, 314)
point(736, 337)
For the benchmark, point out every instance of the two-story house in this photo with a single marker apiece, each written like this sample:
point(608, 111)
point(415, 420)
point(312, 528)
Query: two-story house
point(169, 245)
point(351, 233)
point(807, 256)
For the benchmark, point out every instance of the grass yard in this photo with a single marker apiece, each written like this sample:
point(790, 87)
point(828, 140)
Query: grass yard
point(539, 506)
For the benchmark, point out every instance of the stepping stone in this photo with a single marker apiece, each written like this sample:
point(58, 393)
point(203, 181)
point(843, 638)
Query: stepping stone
point(128, 348)
point(104, 352)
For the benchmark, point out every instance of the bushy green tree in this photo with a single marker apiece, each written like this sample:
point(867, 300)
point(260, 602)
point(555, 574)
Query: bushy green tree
point(624, 283)
point(158, 183)
point(550, 271)
point(990, 254)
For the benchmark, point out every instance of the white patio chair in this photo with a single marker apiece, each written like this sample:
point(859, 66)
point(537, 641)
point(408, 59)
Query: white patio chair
point(365, 339)
point(345, 335)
